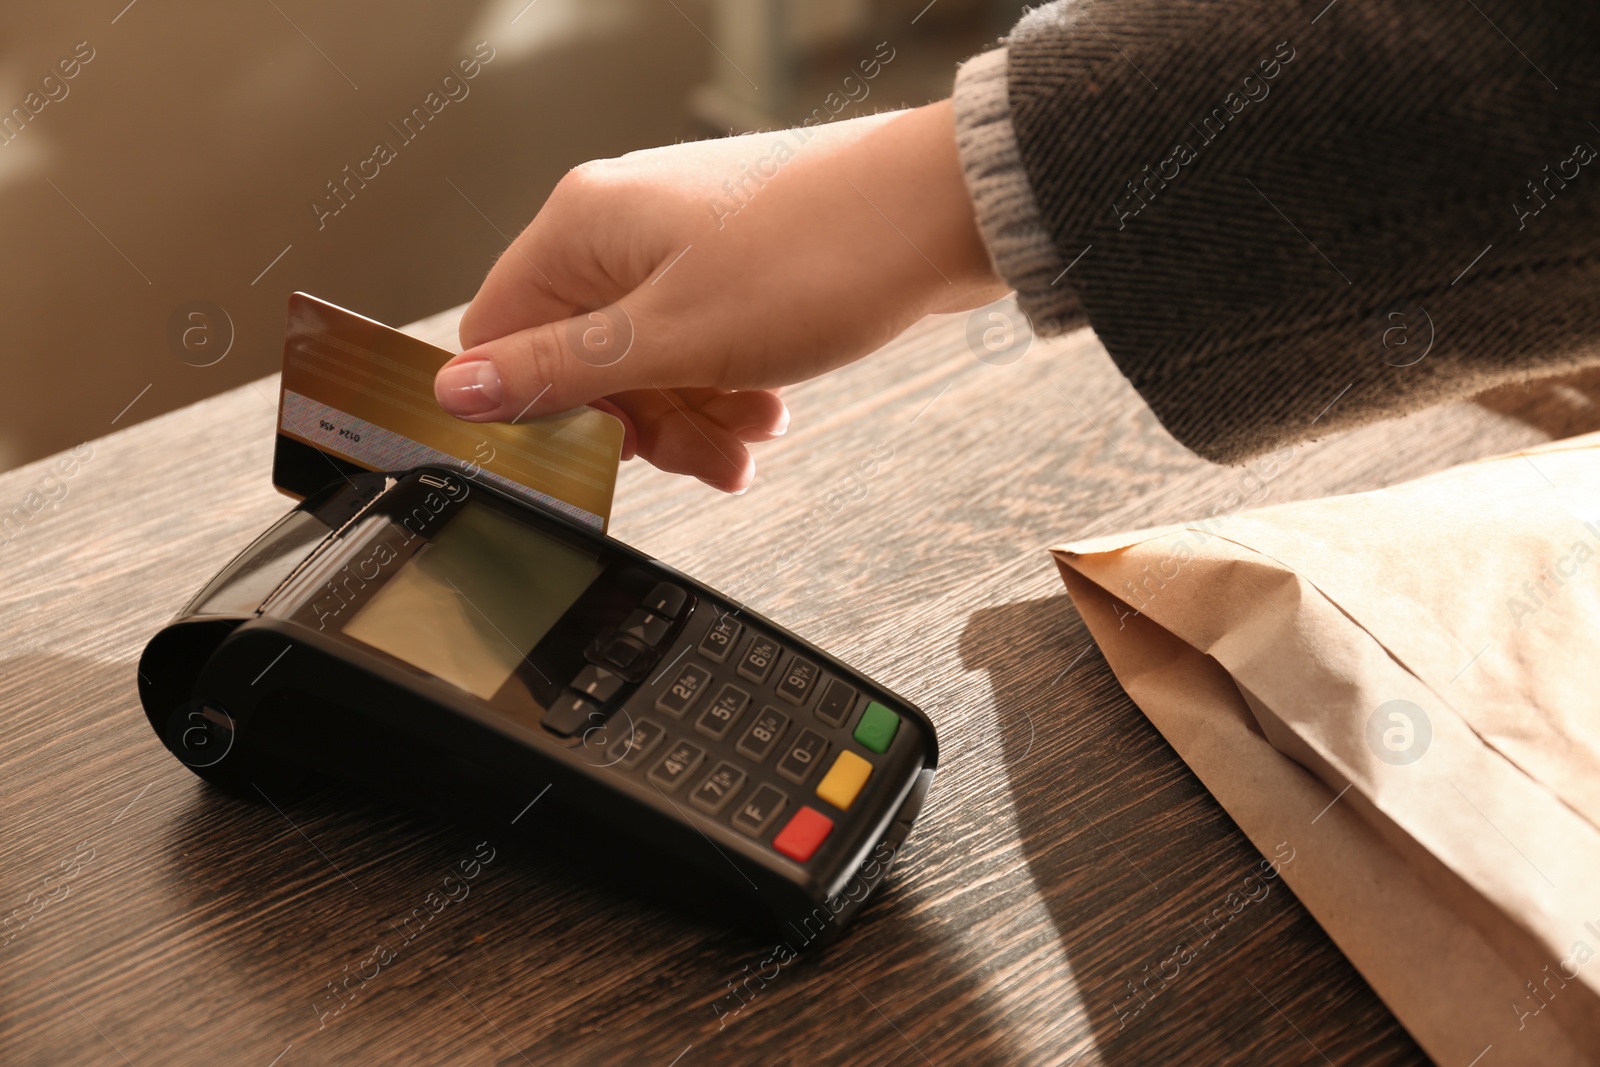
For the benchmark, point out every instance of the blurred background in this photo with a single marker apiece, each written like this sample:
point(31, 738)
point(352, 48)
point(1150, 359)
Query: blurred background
point(161, 161)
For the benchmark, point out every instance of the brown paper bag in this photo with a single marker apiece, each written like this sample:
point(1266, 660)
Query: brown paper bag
point(1422, 655)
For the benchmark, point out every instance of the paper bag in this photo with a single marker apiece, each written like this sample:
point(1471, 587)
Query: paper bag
point(1405, 686)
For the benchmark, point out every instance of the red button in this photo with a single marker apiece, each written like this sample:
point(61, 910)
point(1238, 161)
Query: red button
point(808, 829)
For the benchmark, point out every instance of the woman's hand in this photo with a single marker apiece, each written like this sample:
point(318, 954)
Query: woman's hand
point(680, 287)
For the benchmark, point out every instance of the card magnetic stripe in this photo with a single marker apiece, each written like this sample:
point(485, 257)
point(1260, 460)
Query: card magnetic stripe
point(568, 455)
point(384, 450)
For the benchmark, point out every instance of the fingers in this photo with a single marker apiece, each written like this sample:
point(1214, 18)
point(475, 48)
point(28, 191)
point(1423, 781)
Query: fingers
point(680, 440)
point(552, 251)
point(751, 414)
point(700, 432)
point(544, 369)
point(630, 435)
point(516, 292)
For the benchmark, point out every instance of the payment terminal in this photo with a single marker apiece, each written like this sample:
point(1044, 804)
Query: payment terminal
point(429, 636)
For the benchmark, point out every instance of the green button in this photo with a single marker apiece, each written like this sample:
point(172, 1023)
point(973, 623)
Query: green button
point(877, 727)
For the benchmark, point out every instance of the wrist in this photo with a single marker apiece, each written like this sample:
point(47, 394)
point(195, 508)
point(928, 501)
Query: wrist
point(944, 219)
point(908, 168)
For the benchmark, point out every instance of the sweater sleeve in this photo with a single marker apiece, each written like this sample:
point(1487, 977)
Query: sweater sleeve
point(1284, 218)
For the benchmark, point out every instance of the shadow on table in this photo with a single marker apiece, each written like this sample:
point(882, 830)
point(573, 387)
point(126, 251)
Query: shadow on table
point(1132, 855)
point(560, 954)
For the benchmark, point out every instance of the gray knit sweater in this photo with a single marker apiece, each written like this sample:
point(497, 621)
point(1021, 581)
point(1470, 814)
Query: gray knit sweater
point(1287, 218)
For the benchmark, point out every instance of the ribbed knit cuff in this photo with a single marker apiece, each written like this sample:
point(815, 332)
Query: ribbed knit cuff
point(1008, 216)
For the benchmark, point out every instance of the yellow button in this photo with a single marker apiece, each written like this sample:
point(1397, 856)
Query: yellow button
point(844, 780)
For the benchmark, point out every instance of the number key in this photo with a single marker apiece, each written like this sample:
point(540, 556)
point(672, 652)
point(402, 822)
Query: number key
point(803, 756)
point(758, 659)
point(798, 681)
point(720, 639)
point(681, 759)
point(763, 733)
point(713, 794)
point(636, 741)
point(680, 696)
point(723, 712)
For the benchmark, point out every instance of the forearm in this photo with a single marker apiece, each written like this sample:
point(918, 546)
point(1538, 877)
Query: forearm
point(1241, 236)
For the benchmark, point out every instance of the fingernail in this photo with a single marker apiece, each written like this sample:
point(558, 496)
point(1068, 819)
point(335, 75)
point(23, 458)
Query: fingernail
point(468, 387)
point(783, 427)
point(741, 492)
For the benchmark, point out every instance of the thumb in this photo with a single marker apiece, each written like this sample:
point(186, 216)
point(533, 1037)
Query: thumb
point(553, 367)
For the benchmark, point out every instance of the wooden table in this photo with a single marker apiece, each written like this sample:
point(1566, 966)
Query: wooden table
point(1064, 849)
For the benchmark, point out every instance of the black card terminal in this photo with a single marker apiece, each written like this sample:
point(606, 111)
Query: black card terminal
point(429, 636)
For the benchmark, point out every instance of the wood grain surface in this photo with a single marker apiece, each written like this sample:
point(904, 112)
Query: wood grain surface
point(1064, 850)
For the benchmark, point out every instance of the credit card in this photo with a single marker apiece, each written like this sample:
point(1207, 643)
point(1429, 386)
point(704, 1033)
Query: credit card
point(358, 396)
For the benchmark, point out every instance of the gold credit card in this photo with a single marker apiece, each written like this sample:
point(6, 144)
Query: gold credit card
point(358, 395)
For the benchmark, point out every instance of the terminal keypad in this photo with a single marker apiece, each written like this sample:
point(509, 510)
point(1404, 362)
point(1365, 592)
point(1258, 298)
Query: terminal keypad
point(757, 734)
